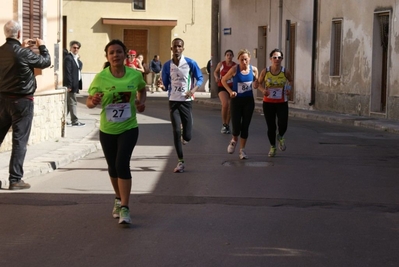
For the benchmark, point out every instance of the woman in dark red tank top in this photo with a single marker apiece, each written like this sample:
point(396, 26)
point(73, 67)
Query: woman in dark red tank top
point(221, 69)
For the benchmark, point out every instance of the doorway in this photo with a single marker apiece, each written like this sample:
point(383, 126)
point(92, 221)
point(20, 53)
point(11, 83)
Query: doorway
point(379, 86)
point(290, 57)
point(262, 55)
point(137, 40)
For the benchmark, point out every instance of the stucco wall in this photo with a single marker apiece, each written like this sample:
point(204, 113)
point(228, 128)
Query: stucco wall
point(48, 120)
point(352, 91)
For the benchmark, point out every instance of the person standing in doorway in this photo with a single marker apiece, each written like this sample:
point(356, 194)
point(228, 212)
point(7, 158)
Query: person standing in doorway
point(242, 103)
point(155, 67)
point(208, 71)
point(133, 62)
point(275, 83)
point(73, 81)
point(121, 92)
point(146, 69)
point(221, 69)
point(181, 77)
point(17, 87)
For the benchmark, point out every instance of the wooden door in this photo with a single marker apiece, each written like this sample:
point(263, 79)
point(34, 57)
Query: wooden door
point(137, 40)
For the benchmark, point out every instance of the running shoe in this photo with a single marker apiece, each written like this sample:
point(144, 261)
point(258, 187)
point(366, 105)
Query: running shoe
point(225, 129)
point(179, 167)
point(184, 142)
point(272, 151)
point(231, 147)
point(124, 216)
point(281, 143)
point(117, 208)
point(78, 124)
point(243, 155)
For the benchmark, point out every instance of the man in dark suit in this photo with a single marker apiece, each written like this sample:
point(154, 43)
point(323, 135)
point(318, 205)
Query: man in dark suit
point(73, 81)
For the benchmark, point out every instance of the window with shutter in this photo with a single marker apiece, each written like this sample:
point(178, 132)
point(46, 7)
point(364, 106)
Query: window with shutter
point(32, 19)
point(336, 47)
point(32, 23)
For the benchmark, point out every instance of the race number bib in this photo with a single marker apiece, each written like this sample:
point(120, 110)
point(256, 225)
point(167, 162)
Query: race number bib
point(275, 93)
point(118, 112)
point(244, 87)
point(178, 87)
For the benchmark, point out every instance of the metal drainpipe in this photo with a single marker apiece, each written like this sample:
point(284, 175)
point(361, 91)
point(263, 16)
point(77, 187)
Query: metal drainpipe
point(61, 51)
point(280, 22)
point(64, 113)
point(192, 17)
point(215, 44)
point(314, 45)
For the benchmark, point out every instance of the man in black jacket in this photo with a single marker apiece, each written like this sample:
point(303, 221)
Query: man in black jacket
point(73, 81)
point(17, 87)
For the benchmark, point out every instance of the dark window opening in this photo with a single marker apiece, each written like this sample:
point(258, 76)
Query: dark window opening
point(139, 4)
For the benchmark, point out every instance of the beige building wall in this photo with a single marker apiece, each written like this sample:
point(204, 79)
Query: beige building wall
point(49, 98)
point(84, 23)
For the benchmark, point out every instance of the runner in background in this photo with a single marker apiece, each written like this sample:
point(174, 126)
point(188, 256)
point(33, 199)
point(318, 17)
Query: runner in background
point(221, 69)
point(275, 83)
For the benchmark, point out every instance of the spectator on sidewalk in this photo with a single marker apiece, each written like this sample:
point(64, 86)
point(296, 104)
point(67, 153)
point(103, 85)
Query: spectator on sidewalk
point(132, 61)
point(155, 67)
point(17, 87)
point(146, 69)
point(121, 91)
point(73, 81)
point(208, 71)
point(178, 76)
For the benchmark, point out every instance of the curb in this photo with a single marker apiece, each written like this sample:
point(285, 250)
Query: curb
point(384, 125)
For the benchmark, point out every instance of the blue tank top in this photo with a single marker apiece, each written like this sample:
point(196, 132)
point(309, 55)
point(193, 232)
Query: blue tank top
point(242, 83)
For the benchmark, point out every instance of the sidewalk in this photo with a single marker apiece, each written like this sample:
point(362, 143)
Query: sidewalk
point(48, 156)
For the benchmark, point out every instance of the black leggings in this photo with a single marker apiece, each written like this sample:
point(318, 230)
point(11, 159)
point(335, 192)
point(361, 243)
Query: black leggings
point(118, 149)
point(271, 111)
point(181, 118)
point(18, 114)
point(241, 110)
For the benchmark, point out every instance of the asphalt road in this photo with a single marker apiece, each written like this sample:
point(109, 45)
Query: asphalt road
point(329, 200)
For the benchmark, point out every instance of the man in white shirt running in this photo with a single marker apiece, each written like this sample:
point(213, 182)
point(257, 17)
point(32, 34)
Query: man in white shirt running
point(181, 77)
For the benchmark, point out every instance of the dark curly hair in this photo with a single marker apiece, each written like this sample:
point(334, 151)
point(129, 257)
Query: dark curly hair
point(229, 50)
point(115, 42)
point(276, 50)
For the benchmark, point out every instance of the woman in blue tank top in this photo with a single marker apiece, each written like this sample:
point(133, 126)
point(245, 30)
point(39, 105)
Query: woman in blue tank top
point(242, 102)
